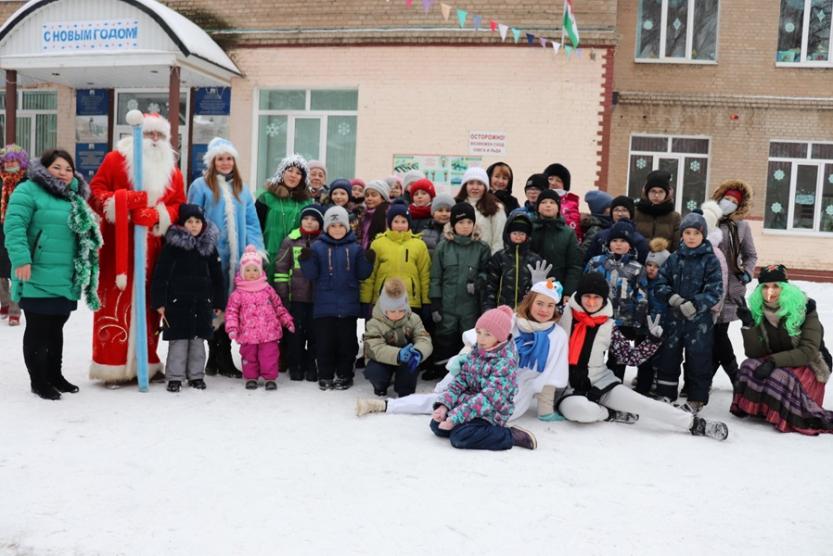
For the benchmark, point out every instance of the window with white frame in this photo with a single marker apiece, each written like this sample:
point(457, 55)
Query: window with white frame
point(677, 30)
point(317, 124)
point(799, 187)
point(805, 32)
point(37, 120)
point(685, 158)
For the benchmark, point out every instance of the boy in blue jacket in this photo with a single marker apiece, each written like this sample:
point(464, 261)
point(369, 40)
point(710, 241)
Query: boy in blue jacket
point(691, 283)
point(336, 264)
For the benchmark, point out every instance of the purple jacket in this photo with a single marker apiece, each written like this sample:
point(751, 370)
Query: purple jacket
point(255, 317)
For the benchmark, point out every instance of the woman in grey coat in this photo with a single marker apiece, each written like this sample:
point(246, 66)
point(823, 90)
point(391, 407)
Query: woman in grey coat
point(735, 199)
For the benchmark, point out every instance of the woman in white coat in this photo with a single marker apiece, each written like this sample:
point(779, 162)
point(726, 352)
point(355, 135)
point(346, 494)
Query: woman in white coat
point(542, 350)
point(491, 216)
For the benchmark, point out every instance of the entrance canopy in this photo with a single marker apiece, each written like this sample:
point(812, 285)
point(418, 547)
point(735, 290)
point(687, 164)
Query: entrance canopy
point(109, 43)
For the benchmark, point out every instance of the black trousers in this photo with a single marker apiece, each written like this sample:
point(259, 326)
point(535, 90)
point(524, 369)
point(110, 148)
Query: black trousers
point(43, 346)
point(336, 347)
point(300, 345)
point(381, 375)
point(723, 354)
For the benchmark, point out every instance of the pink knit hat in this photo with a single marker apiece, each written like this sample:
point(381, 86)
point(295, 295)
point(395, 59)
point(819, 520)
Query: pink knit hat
point(251, 257)
point(498, 322)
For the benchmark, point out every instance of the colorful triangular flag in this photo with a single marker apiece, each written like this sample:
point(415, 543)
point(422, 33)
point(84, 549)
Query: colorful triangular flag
point(543, 41)
point(476, 21)
point(461, 17)
point(530, 38)
point(502, 29)
point(492, 25)
point(516, 33)
point(555, 47)
point(446, 10)
point(426, 5)
point(568, 49)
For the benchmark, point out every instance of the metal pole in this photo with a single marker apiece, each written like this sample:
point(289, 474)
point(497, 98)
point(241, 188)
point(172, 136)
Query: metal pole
point(11, 109)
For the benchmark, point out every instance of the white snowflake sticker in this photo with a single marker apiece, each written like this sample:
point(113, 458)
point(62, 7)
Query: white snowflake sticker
point(830, 178)
point(648, 24)
point(677, 24)
point(778, 175)
point(132, 104)
point(273, 130)
point(343, 128)
point(776, 208)
point(789, 27)
point(691, 205)
point(694, 166)
point(829, 210)
point(641, 163)
point(153, 108)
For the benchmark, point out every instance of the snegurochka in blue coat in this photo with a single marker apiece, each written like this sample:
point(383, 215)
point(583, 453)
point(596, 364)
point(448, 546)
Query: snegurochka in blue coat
point(227, 203)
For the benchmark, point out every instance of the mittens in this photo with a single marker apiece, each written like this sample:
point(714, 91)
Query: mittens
point(688, 310)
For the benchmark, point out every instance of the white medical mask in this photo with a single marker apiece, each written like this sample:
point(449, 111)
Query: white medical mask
point(561, 192)
point(727, 206)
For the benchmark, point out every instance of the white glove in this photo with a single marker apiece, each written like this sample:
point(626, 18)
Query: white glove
point(540, 271)
point(653, 326)
point(688, 310)
point(675, 300)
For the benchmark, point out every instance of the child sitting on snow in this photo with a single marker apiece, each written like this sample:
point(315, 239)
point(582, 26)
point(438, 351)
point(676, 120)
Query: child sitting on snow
point(187, 285)
point(395, 342)
point(254, 317)
point(479, 401)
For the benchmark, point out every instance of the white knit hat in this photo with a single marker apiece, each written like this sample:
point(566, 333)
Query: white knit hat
point(476, 173)
point(410, 177)
point(336, 215)
point(217, 146)
point(379, 186)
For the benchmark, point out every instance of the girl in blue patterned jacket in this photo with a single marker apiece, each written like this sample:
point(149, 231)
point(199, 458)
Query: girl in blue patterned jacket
point(474, 410)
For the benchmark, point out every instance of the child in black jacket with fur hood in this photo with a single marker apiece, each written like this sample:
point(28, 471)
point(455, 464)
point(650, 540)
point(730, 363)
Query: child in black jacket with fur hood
point(187, 291)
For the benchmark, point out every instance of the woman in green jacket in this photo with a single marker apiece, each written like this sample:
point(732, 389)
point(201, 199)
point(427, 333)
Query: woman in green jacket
point(53, 239)
point(279, 207)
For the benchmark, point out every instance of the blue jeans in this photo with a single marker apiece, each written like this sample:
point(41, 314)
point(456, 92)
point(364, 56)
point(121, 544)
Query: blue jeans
point(477, 434)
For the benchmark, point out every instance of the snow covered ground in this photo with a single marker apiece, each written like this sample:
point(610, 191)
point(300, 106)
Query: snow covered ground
point(229, 471)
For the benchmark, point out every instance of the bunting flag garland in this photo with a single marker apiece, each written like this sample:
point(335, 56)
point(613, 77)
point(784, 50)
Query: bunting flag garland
point(569, 28)
point(461, 17)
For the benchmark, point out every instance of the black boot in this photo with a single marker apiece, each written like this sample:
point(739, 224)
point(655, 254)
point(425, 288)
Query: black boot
point(45, 391)
point(311, 374)
point(225, 362)
point(63, 385)
point(211, 361)
point(296, 374)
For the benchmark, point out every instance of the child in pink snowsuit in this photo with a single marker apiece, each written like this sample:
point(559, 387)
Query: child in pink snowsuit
point(254, 316)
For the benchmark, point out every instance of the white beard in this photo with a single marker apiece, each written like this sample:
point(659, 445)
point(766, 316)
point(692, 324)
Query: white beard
point(158, 162)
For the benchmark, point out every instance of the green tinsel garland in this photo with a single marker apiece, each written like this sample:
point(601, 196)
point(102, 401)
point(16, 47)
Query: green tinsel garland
point(84, 223)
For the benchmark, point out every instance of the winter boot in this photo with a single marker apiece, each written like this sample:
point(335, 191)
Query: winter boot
point(251, 385)
point(197, 383)
point(63, 385)
point(158, 376)
point(211, 360)
point(383, 392)
point(370, 405)
point(690, 407)
point(46, 391)
point(615, 416)
point(343, 383)
point(713, 429)
point(325, 384)
point(522, 438)
point(311, 374)
point(296, 374)
point(174, 385)
point(271, 385)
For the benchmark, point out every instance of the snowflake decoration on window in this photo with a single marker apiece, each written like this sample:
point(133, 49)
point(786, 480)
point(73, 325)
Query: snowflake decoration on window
point(273, 130)
point(820, 15)
point(778, 175)
point(694, 166)
point(830, 178)
point(641, 163)
point(153, 108)
point(789, 27)
point(677, 24)
point(648, 25)
point(829, 210)
point(776, 208)
point(343, 129)
point(691, 205)
point(132, 104)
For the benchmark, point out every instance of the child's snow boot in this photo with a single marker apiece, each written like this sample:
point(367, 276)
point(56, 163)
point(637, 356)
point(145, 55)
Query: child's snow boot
point(197, 383)
point(690, 407)
point(713, 429)
point(296, 374)
point(271, 385)
point(174, 385)
point(311, 374)
point(370, 405)
point(343, 383)
point(615, 416)
point(251, 385)
point(523, 438)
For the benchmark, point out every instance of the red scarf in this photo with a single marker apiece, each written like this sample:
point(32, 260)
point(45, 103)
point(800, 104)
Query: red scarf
point(581, 322)
point(418, 213)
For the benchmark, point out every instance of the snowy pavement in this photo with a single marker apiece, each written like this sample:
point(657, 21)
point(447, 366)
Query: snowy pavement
point(229, 471)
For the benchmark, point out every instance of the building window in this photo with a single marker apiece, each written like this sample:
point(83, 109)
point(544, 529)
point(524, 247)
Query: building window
point(677, 30)
point(37, 120)
point(804, 32)
point(317, 124)
point(685, 158)
point(799, 189)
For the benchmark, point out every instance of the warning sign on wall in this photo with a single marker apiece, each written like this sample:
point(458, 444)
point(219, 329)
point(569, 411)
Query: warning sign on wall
point(487, 142)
